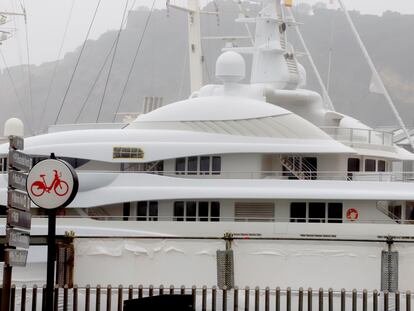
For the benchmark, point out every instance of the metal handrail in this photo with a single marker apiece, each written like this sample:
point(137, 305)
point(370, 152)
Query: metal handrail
point(358, 135)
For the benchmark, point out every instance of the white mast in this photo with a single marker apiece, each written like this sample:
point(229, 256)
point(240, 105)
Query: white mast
point(377, 77)
point(194, 42)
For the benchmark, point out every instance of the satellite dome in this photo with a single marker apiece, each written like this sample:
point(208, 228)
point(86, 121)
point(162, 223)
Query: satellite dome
point(13, 127)
point(230, 67)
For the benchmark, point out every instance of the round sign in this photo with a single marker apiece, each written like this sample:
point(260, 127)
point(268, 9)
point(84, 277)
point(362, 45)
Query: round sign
point(52, 183)
point(352, 214)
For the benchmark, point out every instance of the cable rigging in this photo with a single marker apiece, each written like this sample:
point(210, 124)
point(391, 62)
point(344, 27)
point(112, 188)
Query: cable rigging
point(77, 62)
point(57, 63)
point(112, 60)
point(134, 60)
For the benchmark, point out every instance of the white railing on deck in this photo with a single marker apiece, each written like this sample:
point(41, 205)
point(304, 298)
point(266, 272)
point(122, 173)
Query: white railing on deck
point(360, 136)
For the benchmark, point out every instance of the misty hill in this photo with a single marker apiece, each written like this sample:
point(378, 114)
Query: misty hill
point(161, 68)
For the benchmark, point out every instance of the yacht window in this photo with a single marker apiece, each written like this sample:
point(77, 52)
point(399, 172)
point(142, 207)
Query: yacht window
point(370, 165)
point(142, 211)
point(126, 211)
point(394, 210)
point(192, 165)
point(153, 211)
point(127, 153)
point(409, 212)
point(191, 211)
point(180, 166)
point(335, 212)
point(353, 165)
point(381, 166)
point(204, 165)
point(179, 211)
point(203, 211)
point(215, 211)
point(317, 212)
point(298, 212)
point(216, 165)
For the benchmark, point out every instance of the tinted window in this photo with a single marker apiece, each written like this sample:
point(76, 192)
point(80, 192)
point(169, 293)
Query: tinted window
point(179, 211)
point(191, 211)
point(180, 165)
point(335, 212)
point(381, 166)
point(316, 212)
point(153, 210)
point(204, 165)
point(192, 165)
point(203, 211)
point(215, 211)
point(126, 211)
point(142, 210)
point(369, 165)
point(353, 165)
point(297, 212)
point(216, 167)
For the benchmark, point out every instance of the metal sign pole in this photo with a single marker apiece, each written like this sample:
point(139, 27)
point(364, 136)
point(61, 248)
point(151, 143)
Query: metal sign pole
point(51, 254)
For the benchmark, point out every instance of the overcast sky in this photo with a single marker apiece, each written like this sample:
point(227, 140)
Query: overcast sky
point(47, 19)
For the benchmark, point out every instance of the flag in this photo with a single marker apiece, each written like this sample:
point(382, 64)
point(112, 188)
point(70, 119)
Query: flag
point(289, 3)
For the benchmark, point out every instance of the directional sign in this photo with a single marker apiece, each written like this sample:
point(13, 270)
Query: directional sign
point(17, 142)
point(18, 199)
point(17, 180)
point(15, 257)
point(19, 219)
point(17, 238)
point(20, 160)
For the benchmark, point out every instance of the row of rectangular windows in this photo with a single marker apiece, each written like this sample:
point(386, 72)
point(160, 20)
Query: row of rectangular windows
point(331, 212)
point(203, 165)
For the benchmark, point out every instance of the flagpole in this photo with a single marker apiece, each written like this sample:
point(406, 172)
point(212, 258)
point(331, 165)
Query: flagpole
point(375, 73)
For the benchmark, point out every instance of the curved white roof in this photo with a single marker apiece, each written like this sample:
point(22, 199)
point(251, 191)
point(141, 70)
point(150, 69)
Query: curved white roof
point(213, 108)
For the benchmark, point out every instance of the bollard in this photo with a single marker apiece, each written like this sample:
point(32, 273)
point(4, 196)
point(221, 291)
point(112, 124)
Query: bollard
point(194, 296)
point(247, 298)
point(386, 300)
point(343, 299)
point(204, 299)
point(87, 297)
point(267, 299)
point(300, 299)
point(407, 300)
point(23, 299)
point(310, 299)
point(151, 291)
point(65, 297)
point(108, 298)
point(120, 299)
point(34, 297)
point(171, 289)
point(364, 300)
point(397, 301)
point(160, 292)
point(213, 298)
point(98, 297)
point(224, 306)
point(75, 297)
point(236, 299)
point(320, 298)
point(140, 291)
point(131, 291)
point(182, 290)
point(256, 298)
point(330, 299)
point(288, 299)
point(354, 300)
point(277, 299)
point(375, 300)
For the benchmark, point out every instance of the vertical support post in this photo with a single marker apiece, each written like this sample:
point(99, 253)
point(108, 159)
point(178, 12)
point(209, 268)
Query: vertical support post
point(141, 290)
point(171, 290)
point(320, 295)
point(224, 306)
point(120, 299)
point(288, 299)
point(151, 291)
point(98, 298)
point(235, 299)
point(309, 299)
point(257, 299)
point(204, 299)
point(161, 291)
point(108, 298)
point(13, 298)
point(397, 301)
point(87, 297)
point(246, 298)
point(300, 299)
point(65, 297)
point(194, 296)
point(364, 300)
point(385, 300)
point(408, 301)
point(354, 300)
point(267, 299)
point(34, 297)
point(277, 298)
point(131, 291)
point(75, 298)
point(56, 298)
point(51, 253)
point(375, 300)
point(330, 299)
point(213, 298)
point(343, 297)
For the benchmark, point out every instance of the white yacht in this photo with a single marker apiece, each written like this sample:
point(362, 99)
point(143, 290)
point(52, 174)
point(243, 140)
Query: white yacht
point(301, 194)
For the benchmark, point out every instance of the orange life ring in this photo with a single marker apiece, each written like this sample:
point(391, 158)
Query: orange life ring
point(352, 214)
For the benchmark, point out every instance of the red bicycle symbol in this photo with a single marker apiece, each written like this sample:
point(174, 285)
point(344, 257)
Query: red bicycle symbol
point(59, 186)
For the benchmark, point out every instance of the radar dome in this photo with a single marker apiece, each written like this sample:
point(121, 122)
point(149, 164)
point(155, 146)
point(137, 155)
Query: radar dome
point(13, 127)
point(230, 67)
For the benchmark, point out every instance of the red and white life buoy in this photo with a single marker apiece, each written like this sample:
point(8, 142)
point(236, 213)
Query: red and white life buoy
point(352, 214)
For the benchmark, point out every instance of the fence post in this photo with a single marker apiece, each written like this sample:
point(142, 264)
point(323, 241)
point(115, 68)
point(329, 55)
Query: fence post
point(235, 299)
point(194, 296)
point(247, 298)
point(320, 296)
point(364, 300)
point(87, 297)
point(300, 299)
point(213, 298)
point(310, 294)
point(34, 297)
point(224, 306)
point(131, 291)
point(354, 300)
point(141, 290)
point(160, 291)
point(98, 297)
point(151, 291)
point(23, 299)
point(330, 299)
point(267, 299)
point(65, 297)
point(375, 300)
point(397, 301)
point(75, 297)
point(343, 299)
point(56, 298)
point(120, 299)
point(277, 299)
point(171, 289)
point(408, 300)
point(108, 298)
point(204, 299)
point(257, 299)
point(13, 297)
point(288, 299)
point(182, 290)
point(385, 300)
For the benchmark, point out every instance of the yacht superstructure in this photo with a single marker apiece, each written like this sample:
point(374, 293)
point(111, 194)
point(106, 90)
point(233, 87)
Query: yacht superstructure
point(307, 195)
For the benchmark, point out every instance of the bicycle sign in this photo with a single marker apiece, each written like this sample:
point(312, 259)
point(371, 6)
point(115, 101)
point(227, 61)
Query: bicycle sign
point(52, 183)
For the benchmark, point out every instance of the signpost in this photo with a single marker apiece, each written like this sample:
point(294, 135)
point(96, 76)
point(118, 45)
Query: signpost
point(18, 208)
point(52, 184)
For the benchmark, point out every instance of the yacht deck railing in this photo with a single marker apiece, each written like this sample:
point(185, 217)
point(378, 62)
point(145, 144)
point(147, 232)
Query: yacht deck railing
point(360, 136)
